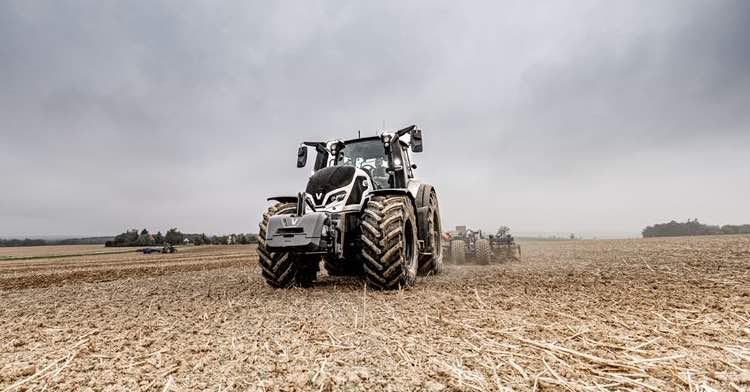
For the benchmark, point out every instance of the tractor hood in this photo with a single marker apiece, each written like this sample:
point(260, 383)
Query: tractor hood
point(328, 179)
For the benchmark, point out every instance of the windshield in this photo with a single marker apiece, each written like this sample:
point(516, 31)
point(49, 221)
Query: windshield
point(368, 155)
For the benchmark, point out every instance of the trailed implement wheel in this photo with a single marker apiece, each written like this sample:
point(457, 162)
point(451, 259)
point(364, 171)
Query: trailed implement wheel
point(484, 251)
point(458, 251)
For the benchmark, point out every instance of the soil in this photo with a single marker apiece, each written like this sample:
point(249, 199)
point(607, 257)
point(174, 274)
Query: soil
point(657, 314)
point(51, 250)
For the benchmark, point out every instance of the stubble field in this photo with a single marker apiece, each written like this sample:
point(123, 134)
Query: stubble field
point(667, 314)
point(55, 251)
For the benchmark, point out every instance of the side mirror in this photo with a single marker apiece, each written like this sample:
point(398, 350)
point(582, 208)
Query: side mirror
point(416, 140)
point(302, 156)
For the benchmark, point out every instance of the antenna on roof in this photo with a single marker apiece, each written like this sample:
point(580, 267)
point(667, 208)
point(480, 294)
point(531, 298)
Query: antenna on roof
point(359, 134)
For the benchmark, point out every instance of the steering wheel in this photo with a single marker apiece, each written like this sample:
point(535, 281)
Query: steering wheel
point(368, 168)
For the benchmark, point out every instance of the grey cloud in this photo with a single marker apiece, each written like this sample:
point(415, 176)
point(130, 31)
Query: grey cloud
point(563, 116)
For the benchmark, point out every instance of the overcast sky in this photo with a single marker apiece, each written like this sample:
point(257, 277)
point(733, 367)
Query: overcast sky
point(593, 117)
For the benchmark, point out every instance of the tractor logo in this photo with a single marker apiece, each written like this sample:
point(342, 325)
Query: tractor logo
point(294, 221)
point(319, 196)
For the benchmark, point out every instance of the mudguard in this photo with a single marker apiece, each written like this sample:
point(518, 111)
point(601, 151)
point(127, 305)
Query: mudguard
point(391, 191)
point(283, 199)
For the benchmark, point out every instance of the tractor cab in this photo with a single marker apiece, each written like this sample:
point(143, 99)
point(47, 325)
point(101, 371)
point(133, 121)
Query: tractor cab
point(345, 171)
point(367, 155)
point(385, 159)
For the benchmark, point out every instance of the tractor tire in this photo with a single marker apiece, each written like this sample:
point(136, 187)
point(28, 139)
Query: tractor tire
point(280, 269)
point(458, 251)
point(484, 251)
point(389, 242)
point(343, 267)
point(432, 263)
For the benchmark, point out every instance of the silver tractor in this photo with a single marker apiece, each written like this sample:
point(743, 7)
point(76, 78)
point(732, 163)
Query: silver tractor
point(363, 213)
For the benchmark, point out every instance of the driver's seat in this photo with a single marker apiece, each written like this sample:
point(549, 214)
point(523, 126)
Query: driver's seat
point(381, 174)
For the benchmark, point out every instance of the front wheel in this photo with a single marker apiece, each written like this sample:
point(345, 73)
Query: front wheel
point(389, 242)
point(281, 269)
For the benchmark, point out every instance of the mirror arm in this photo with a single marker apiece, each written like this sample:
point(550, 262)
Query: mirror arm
point(402, 132)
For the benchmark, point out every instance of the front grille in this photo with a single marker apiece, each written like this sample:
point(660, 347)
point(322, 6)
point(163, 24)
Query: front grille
point(290, 231)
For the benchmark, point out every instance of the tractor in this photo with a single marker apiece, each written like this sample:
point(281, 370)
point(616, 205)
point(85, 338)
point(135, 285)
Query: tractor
point(165, 249)
point(363, 213)
point(473, 245)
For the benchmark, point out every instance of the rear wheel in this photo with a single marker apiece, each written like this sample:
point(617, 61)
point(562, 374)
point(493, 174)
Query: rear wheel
point(389, 242)
point(484, 252)
point(281, 269)
point(458, 251)
point(433, 261)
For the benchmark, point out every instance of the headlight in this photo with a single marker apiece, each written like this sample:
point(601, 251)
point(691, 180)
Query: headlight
point(337, 197)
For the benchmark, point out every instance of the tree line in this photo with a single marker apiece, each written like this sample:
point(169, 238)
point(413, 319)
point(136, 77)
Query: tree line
point(692, 227)
point(134, 237)
point(173, 236)
point(40, 242)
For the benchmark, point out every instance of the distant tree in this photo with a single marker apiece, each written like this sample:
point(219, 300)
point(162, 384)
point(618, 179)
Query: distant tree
point(23, 242)
point(218, 240)
point(198, 240)
point(735, 229)
point(674, 228)
point(159, 238)
point(145, 239)
point(173, 237)
point(128, 238)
